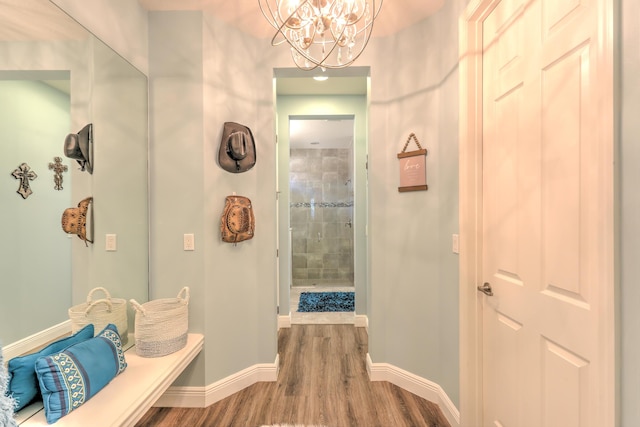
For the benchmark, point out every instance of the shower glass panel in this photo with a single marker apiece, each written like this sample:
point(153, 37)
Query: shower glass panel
point(321, 213)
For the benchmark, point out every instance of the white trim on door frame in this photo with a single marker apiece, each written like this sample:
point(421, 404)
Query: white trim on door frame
point(470, 208)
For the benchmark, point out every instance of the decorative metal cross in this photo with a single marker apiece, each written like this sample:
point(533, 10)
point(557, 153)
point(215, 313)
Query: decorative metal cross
point(57, 167)
point(24, 174)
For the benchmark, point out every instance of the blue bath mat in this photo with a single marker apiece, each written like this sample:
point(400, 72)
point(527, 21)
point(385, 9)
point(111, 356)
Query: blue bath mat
point(326, 301)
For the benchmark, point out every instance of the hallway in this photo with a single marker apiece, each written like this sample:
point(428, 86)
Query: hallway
point(323, 380)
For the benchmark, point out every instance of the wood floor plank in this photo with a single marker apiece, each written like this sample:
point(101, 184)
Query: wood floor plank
point(323, 380)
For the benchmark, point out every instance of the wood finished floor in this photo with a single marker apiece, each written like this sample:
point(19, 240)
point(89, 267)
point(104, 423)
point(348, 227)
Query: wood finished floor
point(323, 380)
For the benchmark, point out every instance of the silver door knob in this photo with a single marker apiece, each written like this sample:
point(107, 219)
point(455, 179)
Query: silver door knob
point(486, 289)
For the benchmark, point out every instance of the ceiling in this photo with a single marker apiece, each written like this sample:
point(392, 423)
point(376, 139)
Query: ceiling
point(306, 85)
point(36, 17)
point(317, 132)
point(33, 21)
point(345, 81)
point(394, 15)
point(36, 20)
point(321, 132)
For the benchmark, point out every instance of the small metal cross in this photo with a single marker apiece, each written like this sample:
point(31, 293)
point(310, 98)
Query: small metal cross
point(57, 167)
point(24, 174)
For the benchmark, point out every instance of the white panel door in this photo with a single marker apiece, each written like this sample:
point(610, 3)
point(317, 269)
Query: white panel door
point(543, 219)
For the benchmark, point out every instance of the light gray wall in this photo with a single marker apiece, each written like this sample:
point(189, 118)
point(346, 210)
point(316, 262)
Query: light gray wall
point(35, 254)
point(415, 90)
point(121, 24)
point(103, 90)
point(119, 183)
point(199, 79)
point(176, 164)
point(202, 73)
point(73, 56)
point(413, 272)
point(240, 280)
point(629, 296)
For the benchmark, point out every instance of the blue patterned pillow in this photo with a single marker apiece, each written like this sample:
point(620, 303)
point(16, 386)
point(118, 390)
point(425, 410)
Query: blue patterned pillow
point(23, 383)
point(71, 377)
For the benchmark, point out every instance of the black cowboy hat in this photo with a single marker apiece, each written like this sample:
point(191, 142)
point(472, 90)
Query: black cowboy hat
point(79, 146)
point(237, 148)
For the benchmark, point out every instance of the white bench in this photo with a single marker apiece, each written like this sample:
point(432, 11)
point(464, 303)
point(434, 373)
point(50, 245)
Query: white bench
point(126, 399)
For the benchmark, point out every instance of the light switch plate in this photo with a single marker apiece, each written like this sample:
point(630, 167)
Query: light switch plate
point(189, 242)
point(455, 243)
point(111, 242)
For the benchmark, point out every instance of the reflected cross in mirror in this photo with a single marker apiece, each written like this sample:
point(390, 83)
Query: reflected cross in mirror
point(24, 174)
point(58, 168)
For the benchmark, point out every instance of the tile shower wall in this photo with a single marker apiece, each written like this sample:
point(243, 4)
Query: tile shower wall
point(321, 216)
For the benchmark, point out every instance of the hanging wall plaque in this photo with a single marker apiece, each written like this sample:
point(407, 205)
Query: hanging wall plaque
point(413, 167)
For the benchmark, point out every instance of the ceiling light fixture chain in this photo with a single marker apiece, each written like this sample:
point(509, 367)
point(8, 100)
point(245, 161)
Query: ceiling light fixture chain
point(322, 33)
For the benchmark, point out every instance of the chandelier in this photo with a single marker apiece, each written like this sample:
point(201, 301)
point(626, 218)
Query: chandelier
point(322, 33)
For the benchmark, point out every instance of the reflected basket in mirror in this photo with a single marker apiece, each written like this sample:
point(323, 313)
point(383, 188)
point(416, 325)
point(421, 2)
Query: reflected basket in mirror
point(162, 325)
point(101, 312)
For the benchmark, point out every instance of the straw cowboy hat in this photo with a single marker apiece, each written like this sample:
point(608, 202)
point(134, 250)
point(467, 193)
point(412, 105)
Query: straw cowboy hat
point(79, 146)
point(237, 223)
point(237, 148)
point(74, 220)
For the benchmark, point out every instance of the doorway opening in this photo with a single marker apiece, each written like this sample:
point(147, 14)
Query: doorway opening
point(322, 189)
point(321, 212)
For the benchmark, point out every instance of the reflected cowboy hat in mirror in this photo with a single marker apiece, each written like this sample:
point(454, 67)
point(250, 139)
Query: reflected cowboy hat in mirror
point(79, 146)
point(74, 220)
point(237, 148)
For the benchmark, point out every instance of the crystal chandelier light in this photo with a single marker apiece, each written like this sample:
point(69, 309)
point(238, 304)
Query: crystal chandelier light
point(322, 33)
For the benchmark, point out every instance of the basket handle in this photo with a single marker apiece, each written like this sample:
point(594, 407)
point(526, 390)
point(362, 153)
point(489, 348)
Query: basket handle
point(138, 307)
point(99, 288)
point(96, 302)
point(184, 294)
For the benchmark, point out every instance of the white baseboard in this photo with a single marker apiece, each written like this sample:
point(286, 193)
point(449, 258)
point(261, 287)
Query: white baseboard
point(36, 340)
point(284, 321)
point(417, 385)
point(201, 397)
point(362, 321)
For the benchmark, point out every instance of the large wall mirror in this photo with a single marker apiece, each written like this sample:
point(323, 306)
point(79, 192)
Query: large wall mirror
point(55, 78)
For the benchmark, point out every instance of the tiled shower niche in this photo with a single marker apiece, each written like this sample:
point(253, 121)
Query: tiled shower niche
point(321, 210)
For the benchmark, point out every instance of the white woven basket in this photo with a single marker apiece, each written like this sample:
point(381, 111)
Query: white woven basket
point(101, 312)
point(162, 325)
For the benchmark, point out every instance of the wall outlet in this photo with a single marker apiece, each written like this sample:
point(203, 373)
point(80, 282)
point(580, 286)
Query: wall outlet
point(111, 242)
point(189, 242)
